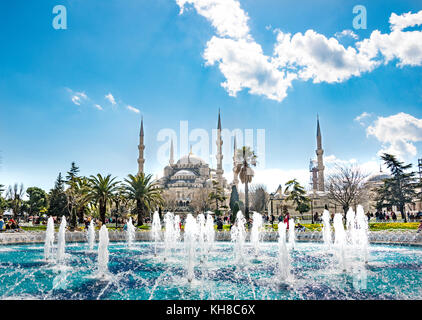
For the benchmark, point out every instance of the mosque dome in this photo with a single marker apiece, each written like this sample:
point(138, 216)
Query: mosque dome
point(184, 173)
point(191, 159)
point(378, 177)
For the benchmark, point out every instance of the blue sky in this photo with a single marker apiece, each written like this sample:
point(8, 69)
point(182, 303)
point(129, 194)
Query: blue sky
point(151, 57)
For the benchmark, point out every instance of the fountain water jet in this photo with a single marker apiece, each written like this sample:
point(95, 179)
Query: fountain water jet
point(155, 230)
point(91, 235)
point(326, 229)
point(61, 240)
point(238, 235)
point(362, 233)
point(190, 237)
point(209, 232)
point(283, 255)
point(103, 254)
point(351, 227)
point(292, 235)
point(256, 231)
point(130, 233)
point(201, 235)
point(169, 234)
point(340, 240)
point(49, 239)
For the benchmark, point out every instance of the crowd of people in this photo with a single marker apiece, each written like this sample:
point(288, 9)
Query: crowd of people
point(8, 224)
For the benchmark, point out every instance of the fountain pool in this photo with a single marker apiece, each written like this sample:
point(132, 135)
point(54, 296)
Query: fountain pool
point(392, 272)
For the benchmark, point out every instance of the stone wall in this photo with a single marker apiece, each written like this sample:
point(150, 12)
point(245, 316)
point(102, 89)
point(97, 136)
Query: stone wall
point(404, 237)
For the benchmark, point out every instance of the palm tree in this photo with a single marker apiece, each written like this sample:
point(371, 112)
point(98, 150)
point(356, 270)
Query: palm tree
point(78, 196)
point(102, 192)
point(1, 189)
point(245, 157)
point(14, 195)
point(140, 189)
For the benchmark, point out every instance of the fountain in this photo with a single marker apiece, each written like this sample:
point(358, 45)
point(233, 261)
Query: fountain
point(238, 235)
point(91, 235)
point(283, 255)
point(61, 240)
point(351, 227)
point(340, 240)
point(155, 230)
point(326, 229)
point(49, 239)
point(201, 235)
point(176, 229)
point(130, 233)
point(169, 234)
point(103, 254)
point(209, 232)
point(292, 235)
point(190, 237)
point(362, 233)
point(256, 232)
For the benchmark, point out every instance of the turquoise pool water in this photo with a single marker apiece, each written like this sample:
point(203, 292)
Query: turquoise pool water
point(392, 272)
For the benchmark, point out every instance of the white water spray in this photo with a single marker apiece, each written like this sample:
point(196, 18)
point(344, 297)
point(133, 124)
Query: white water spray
point(61, 240)
point(190, 237)
point(326, 229)
point(103, 254)
point(340, 240)
point(238, 235)
point(283, 255)
point(91, 235)
point(292, 235)
point(155, 230)
point(49, 239)
point(130, 233)
point(256, 232)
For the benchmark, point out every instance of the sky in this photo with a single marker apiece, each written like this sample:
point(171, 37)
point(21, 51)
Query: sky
point(78, 94)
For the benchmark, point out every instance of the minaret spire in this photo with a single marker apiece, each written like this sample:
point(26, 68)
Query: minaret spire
point(141, 148)
point(171, 162)
point(235, 178)
point(219, 155)
point(320, 153)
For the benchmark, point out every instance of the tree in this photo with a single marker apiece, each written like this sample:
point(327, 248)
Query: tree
point(217, 195)
point(37, 200)
point(244, 159)
point(259, 197)
point(144, 193)
point(102, 192)
point(401, 188)
point(78, 196)
point(14, 196)
point(73, 172)
point(234, 203)
point(169, 200)
point(297, 194)
point(1, 189)
point(200, 200)
point(346, 186)
point(57, 198)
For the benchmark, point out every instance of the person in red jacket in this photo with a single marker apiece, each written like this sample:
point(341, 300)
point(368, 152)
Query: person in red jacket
point(286, 220)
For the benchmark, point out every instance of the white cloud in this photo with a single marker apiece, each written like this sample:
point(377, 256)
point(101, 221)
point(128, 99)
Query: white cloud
point(360, 118)
point(98, 107)
point(307, 56)
point(244, 65)
point(346, 33)
point(78, 97)
point(110, 98)
point(133, 109)
point(400, 22)
point(398, 134)
point(226, 16)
